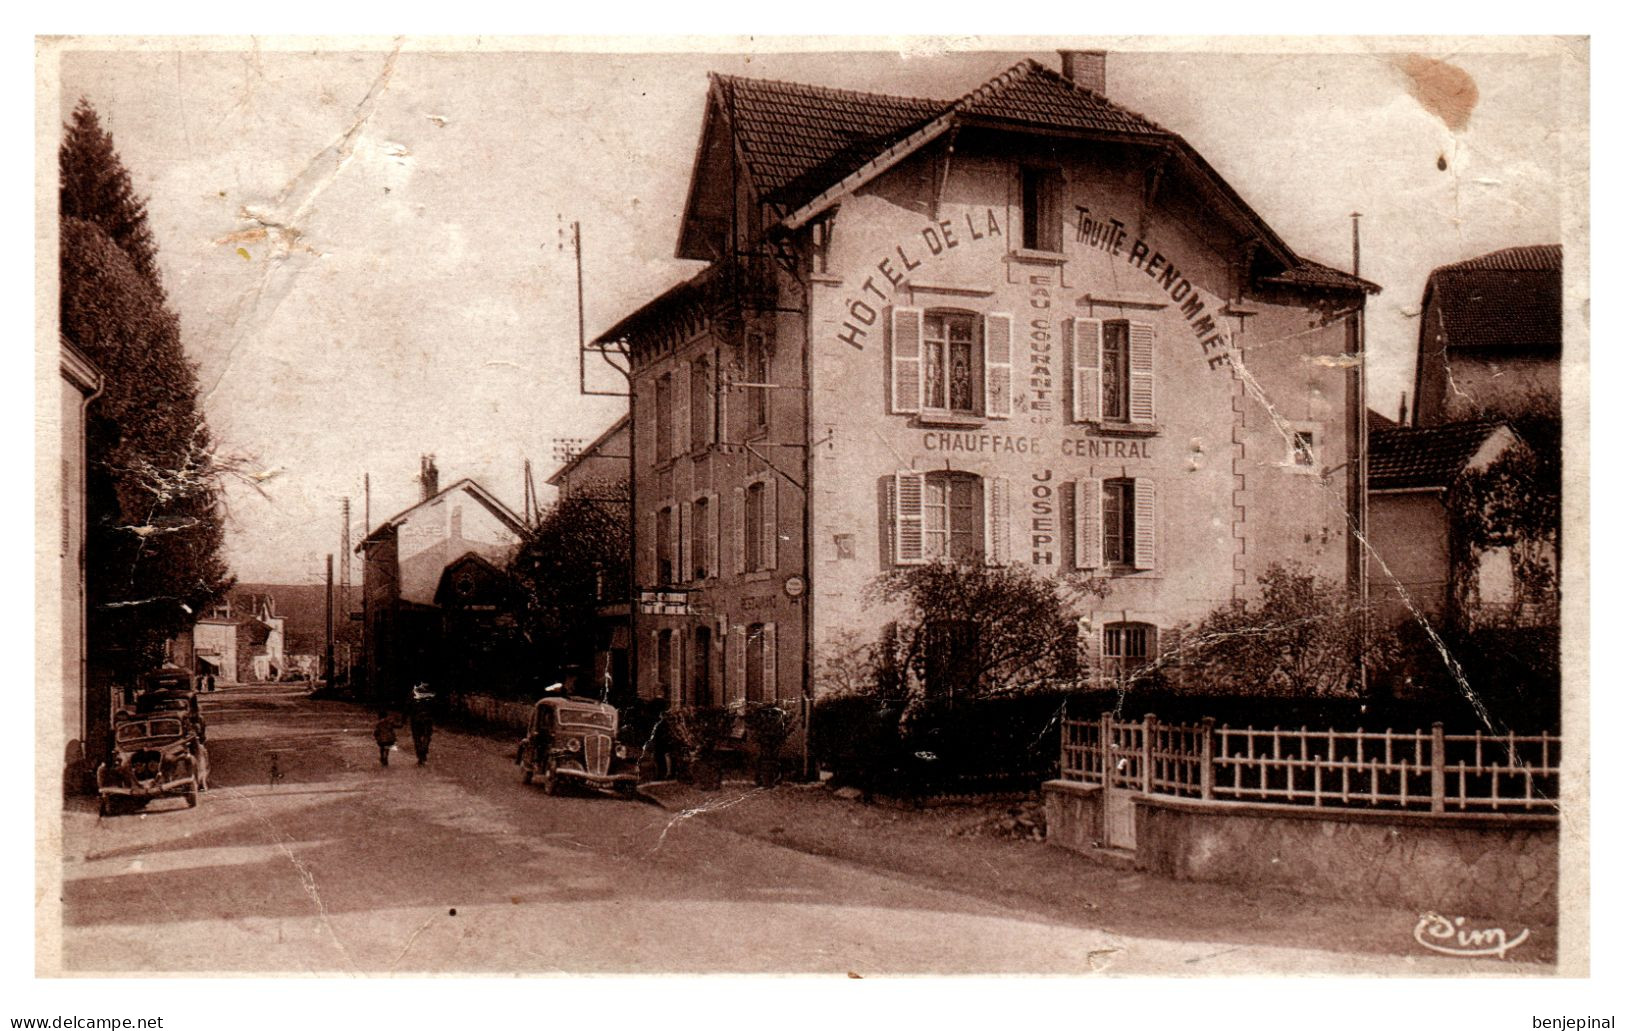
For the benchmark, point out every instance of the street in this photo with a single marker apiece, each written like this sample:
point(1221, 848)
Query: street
point(306, 856)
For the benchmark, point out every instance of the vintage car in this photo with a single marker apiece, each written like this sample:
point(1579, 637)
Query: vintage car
point(574, 739)
point(155, 754)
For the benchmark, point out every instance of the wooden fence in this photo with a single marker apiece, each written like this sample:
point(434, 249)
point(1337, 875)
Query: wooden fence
point(1418, 770)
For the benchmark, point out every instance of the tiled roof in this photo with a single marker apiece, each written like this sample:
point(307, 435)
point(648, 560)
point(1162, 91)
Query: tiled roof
point(1424, 456)
point(1510, 299)
point(1546, 257)
point(1031, 93)
point(798, 139)
point(1313, 273)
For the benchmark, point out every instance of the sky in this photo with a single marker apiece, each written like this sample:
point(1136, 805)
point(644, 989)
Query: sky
point(369, 249)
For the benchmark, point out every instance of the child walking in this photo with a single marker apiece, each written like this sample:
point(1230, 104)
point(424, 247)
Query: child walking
point(383, 732)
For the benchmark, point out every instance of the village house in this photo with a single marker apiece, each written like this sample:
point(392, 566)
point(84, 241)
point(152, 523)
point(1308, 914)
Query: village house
point(1491, 336)
point(224, 642)
point(406, 559)
point(1026, 326)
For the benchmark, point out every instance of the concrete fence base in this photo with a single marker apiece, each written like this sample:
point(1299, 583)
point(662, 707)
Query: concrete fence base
point(500, 712)
point(1501, 866)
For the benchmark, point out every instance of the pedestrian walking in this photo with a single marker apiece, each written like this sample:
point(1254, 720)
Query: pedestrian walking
point(383, 732)
point(422, 721)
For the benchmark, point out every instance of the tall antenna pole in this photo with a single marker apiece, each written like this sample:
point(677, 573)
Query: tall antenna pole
point(1362, 494)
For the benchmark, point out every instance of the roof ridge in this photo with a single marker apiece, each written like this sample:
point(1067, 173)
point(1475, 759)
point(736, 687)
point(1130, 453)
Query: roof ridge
point(836, 91)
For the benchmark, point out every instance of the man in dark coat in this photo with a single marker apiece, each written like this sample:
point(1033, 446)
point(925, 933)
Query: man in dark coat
point(422, 721)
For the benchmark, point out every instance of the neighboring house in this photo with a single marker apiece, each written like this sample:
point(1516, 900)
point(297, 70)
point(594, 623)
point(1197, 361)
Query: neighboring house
point(85, 711)
point(604, 461)
point(225, 641)
point(302, 610)
point(1012, 328)
point(599, 474)
point(406, 557)
point(1491, 335)
point(1420, 569)
point(483, 649)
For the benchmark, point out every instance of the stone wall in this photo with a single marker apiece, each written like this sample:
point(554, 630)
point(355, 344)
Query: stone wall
point(1498, 866)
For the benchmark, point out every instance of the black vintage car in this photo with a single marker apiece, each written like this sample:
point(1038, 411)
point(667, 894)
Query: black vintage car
point(573, 739)
point(154, 755)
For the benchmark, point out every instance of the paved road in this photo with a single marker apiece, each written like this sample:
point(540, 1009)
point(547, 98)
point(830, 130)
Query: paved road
point(340, 866)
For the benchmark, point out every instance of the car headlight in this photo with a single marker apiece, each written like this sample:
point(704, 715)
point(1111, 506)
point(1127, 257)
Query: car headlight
point(573, 745)
point(620, 751)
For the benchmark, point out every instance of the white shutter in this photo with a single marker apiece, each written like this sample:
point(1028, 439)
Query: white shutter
point(736, 663)
point(685, 540)
point(1145, 524)
point(770, 662)
point(739, 531)
point(674, 530)
point(680, 414)
point(1087, 340)
point(996, 365)
point(907, 332)
point(722, 378)
point(1086, 524)
point(996, 521)
point(908, 518)
point(653, 663)
point(679, 684)
point(770, 523)
point(1141, 372)
point(714, 559)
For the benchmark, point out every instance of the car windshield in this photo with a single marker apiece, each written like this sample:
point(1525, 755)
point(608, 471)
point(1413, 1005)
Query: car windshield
point(587, 718)
point(149, 728)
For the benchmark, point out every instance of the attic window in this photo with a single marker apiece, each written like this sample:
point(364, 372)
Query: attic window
point(1040, 209)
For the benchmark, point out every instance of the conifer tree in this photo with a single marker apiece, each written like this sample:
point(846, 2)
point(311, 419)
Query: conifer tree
point(154, 530)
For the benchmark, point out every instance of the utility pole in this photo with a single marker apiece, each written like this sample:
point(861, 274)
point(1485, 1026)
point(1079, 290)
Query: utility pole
point(1362, 570)
point(328, 660)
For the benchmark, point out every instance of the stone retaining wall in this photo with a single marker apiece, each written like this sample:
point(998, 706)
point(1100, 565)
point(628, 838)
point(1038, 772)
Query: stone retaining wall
point(1498, 866)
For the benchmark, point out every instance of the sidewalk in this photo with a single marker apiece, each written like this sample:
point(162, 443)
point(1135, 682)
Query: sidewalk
point(986, 851)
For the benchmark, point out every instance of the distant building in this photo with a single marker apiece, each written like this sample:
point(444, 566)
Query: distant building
point(406, 558)
point(225, 642)
point(600, 474)
point(1491, 335)
point(1413, 470)
point(604, 461)
point(85, 713)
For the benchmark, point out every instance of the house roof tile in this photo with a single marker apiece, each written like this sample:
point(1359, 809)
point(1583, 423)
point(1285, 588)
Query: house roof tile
point(1424, 456)
point(1510, 299)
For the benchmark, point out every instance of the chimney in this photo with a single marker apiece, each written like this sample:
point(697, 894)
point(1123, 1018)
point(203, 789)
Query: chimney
point(428, 476)
point(1087, 68)
point(1402, 412)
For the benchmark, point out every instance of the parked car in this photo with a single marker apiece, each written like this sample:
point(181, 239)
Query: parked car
point(574, 739)
point(154, 754)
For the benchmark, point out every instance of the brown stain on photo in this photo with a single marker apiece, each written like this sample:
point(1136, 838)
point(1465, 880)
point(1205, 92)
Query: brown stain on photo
point(1445, 90)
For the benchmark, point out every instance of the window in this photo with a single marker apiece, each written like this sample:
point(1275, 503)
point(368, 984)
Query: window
point(1303, 449)
point(950, 353)
point(1113, 370)
point(663, 418)
point(757, 369)
point(665, 559)
point(951, 657)
point(699, 403)
point(666, 660)
point(1126, 651)
point(1115, 524)
point(1040, 209)
point(753, 527)
point(702, 667)
point(952, 524)
point(761, 662)
point(700, 538)
point(950, 363)
point(948, 517)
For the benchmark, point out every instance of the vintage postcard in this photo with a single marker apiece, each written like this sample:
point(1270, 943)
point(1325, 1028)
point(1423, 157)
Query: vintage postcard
point(1098, 507)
